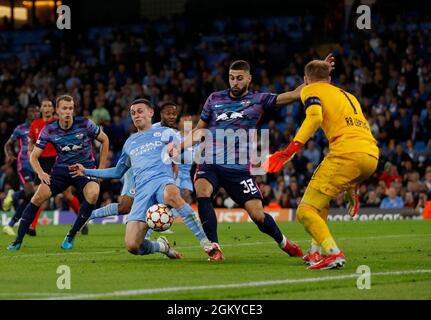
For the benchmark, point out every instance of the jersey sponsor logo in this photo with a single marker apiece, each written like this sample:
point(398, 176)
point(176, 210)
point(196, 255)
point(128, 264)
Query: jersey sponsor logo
point(225, 116)
point(71, 147)
point(145, 148)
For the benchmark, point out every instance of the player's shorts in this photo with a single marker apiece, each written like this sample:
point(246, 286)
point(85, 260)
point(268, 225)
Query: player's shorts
point(184, 182)
point(240, 185)
point(338, 173)
point(47, 163)
point(129, 188)
point(61, 179)
point(25, 175)
point(147, 195)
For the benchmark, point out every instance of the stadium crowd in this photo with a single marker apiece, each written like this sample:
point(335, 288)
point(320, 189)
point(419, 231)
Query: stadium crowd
point(387, 68)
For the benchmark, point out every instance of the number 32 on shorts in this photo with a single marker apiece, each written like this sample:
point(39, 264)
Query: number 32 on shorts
point(249, 186)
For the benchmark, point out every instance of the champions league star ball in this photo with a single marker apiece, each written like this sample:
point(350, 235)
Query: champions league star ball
point(159, 217)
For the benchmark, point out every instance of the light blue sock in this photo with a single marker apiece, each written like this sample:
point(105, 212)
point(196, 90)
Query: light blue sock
point(149, 232)
point(148, 247)
point(106, 211)
point(190, 220)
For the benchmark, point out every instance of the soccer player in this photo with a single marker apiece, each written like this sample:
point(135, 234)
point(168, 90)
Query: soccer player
point(143, 152)
point(72, 138)
point(168, 118)
point(352, 158)
point(235, 108)
point(25, 172)
point(184, 179)
point(49, 155)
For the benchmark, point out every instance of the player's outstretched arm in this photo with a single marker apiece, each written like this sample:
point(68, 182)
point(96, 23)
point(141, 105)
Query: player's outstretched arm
point(289, 96)
point(104, 140)
point(34, 161)
point(311, 123)
point(194, 136)
point(78, 170)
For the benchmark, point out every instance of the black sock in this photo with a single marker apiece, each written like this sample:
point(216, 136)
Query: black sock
point(208, 218)
point(26, 220)
point(270, 228)
point(17, 196)
point(81, 219)
point(18, 213)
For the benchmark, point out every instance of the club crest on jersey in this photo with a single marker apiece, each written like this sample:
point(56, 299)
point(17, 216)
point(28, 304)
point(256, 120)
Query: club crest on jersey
point(245, 103)
point(232, 115)
point(157, 134)
point(79, 136)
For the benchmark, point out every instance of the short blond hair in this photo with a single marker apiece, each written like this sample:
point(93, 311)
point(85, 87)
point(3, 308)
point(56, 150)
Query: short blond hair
point(317, 70)
point(64, 97)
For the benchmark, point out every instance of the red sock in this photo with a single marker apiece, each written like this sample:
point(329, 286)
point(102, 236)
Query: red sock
point(34, 223)
point(74, 204)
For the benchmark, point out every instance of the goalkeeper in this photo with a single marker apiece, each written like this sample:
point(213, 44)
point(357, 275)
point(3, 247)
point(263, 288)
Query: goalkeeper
point(352, 158)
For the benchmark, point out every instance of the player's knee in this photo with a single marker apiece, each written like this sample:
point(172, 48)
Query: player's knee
point(42, 194)
point(92, 196)
point(258, 216)
point(124, 207)
point(303, 213)
point(174, 200)
point(203, 189)
point(132, 246)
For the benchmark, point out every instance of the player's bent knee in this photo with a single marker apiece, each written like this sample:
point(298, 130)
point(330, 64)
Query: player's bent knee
point(132, 246)
point(257, 216)
point(124, 208)
point(203, 188)
point(42, 194)
point(91, 192)
point(174, 200)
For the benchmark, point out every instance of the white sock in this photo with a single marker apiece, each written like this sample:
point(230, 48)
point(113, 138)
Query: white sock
point(283, 242)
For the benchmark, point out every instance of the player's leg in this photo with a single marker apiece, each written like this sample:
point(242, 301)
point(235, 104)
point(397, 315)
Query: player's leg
point(137, 227)
point(114, 209)
point(23, 198)
point(46, 163)
point(126, 200)
point(336, 174)
point(206, 184)
point(90, 192)
point(266, 224)
point(137, 244)
point(171, 197)
point(308, 213)
point(42, 194)
point(315, 252)
point(72, 200)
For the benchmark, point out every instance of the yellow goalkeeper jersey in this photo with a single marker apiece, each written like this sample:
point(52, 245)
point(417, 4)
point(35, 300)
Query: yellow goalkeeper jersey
point(343, 122)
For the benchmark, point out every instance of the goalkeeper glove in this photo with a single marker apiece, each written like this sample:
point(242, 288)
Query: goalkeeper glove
point(275, 162)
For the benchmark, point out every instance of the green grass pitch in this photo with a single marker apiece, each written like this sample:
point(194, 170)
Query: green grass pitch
point(398, 254)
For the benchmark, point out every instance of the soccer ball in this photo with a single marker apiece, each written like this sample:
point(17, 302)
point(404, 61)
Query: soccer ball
point(159, 217)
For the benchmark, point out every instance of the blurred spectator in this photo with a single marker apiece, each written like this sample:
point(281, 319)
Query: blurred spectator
point(392, 201)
